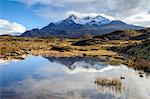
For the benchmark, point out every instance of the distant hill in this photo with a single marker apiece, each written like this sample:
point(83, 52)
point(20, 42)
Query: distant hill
point(141, 50)
point(145, 34)
point(76, 27)
point(141, 34)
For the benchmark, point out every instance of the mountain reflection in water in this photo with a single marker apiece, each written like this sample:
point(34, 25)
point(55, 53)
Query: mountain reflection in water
point(70, 78)
point(73, 62)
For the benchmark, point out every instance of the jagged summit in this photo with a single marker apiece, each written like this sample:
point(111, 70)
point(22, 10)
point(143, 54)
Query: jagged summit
point(72, 17)
point(86, 20)
point(100, 17)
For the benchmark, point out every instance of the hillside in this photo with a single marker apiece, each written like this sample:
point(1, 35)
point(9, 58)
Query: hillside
point(120, 34)
point(141, 50)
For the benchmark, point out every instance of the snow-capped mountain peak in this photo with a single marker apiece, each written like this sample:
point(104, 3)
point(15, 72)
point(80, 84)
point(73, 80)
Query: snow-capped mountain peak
point(86, 20)
point(73, 17)
point(102, 19)
point(89, 20)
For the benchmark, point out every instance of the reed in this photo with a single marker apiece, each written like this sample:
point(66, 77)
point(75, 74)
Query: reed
point(109, 82)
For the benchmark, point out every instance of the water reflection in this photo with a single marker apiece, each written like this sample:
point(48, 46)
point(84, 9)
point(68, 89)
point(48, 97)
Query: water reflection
point(49, 78)
point(73, 62)
point(112, 90)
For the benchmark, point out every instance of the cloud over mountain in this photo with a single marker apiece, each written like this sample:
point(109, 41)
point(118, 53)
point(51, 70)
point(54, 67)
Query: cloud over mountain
point(119, 9)
point(7, 27)
point(110, 7)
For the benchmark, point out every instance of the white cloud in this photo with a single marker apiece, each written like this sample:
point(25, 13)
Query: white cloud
point(118, 9)
point(79, 14)
point(7, 27)
point(142, 18)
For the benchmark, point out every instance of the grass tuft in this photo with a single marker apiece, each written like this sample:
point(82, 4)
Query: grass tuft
point(109, 82)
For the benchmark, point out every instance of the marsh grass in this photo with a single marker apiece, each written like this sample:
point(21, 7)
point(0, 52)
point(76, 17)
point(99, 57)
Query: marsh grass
point(14, 47)
point(62, 48)
point(103, 81)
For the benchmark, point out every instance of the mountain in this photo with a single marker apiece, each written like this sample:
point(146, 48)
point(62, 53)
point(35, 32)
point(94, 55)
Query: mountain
point(120, 35)
point(72, 62)
point(88, 20)
point(34, 33)
point(74, 26)
point(142, 34)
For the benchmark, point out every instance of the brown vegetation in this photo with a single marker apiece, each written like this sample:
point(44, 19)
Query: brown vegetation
point(109, 82)
point(136, 51)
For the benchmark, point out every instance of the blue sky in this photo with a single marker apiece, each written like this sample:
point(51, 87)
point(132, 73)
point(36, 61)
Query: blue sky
point(29, 14)
point(21, 13)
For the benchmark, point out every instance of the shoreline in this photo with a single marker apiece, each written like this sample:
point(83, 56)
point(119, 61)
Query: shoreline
point(18, 48)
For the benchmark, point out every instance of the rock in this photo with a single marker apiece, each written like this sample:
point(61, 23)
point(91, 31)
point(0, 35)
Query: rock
point(141, 76)
point(122, 78)
point(140, 73)
point(84, 55)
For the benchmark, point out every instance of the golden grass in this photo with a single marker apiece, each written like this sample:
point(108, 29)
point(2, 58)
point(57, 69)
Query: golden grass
point(139, 64)
point(109, 82)
point(14, 47)
point(39, 46)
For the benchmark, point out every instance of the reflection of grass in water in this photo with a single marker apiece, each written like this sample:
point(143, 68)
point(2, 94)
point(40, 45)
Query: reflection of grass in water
point(109, 85)
point(112, 90)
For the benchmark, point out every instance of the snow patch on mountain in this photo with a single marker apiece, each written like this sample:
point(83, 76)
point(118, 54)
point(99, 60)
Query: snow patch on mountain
point(86, 20)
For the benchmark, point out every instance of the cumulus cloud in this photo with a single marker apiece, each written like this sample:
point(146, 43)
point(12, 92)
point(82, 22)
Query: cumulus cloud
point(7, 27)
point(118, 9)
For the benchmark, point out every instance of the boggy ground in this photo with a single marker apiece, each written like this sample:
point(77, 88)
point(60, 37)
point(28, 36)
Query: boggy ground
point(18, 47)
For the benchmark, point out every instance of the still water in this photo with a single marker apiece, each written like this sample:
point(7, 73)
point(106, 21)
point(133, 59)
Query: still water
point(39, 77)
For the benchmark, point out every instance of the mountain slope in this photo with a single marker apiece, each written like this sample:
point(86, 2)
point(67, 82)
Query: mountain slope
point(34, 33)
point(76, 27)
point(120, 35)
point(145, 34)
